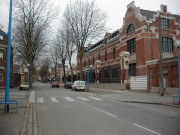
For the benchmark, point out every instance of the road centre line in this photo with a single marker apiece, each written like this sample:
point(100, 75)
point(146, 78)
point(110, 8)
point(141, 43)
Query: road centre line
point(146, 129)
point(53, 99)
point(104, 112)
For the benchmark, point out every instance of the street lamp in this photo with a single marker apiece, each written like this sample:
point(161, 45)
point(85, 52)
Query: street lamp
point(6, 107)
point(177, 44)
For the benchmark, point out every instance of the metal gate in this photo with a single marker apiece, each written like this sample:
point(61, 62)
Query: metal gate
point(138, 82)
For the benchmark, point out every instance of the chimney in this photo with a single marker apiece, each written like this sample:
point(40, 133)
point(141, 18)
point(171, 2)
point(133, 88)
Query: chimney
point(163, 8)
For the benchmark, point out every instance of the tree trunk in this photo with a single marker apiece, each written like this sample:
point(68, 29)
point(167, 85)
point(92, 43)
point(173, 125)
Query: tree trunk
point(55, 72)
point(71, 70)
point(63, 62)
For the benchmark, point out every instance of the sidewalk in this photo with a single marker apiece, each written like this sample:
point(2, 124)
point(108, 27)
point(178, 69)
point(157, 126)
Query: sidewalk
point(136, 97)
point(11, 123)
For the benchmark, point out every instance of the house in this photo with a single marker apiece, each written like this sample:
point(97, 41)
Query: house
point(16, 75)
point(3, 56)
point(130, 55)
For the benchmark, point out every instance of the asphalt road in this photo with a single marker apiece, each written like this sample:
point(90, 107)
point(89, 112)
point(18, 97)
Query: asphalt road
point(64, 112)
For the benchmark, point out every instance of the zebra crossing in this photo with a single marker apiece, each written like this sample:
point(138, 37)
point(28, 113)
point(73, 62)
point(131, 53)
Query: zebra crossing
point(70, 99)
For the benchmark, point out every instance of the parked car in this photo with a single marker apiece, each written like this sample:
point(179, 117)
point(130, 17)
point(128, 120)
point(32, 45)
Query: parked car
point(24, 86)
point(55, 84)
point(68, 85)
point(78, 85)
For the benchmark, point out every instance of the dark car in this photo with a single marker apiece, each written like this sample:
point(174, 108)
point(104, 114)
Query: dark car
point(68, 85)
point(55, 84)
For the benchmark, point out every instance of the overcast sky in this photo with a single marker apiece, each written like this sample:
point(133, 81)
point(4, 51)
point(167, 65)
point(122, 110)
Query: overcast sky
point(114, 8)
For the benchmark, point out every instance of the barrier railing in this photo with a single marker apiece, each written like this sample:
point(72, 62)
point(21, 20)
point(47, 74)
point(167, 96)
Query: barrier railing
point(10, 102)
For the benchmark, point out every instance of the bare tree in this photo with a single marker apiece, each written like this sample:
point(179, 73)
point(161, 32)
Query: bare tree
point(44, 70)
point(87, 23)
point(55, 57)
point(70, 45)
point(31, 22)
point(62, 43)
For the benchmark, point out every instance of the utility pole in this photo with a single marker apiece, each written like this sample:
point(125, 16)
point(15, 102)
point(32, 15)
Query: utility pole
point(161, 59)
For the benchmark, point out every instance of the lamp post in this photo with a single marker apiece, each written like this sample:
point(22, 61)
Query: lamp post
point(6, 107)
point(177, 44)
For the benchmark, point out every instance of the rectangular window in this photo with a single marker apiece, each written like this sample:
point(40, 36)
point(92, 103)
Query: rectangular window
point(114, 53)
point(106, 56)
point(167, 44)
point(131, 46)
point(1, 78)
point(115, 73)
point(1, 55)
point(164, 23)
point(99, 57)
point(92, 75)
point(106, 74)
point(132, 69)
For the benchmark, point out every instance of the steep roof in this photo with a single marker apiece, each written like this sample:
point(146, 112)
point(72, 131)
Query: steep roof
point(149, 14)
point(177, 17)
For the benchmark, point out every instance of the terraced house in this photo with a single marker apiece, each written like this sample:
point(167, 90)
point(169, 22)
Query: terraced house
point(3, 56)
point(130, 55)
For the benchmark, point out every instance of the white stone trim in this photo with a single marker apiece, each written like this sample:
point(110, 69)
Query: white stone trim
point(139, 16)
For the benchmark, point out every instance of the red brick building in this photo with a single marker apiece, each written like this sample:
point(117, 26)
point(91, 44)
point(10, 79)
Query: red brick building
point(3, 56)
point(131, 53)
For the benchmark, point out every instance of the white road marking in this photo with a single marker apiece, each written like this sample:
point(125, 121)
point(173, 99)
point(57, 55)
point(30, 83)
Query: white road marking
point(84, 99)
point(96, 98)
point(53, 99)
point(40, 100)
point(104, 112)
point(32, 97)
point(146, 129)
point(69, 99)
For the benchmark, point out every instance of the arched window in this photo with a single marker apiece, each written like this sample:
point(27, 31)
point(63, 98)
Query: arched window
point(130, 28)
point(167, 44)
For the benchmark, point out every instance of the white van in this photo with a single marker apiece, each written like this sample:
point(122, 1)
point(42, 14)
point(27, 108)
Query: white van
point(78, 85)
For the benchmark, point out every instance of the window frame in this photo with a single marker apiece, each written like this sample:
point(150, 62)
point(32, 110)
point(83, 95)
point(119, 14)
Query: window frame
point(106, 57)
point(114, 53)
point(1, 78)
point(99, 57)
point(130, 28)
point(114, 73)
point(131, 46)
point(106, 74)
point(164, 23)
point(167, 44)
point(132, 69)
point(1, 55)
